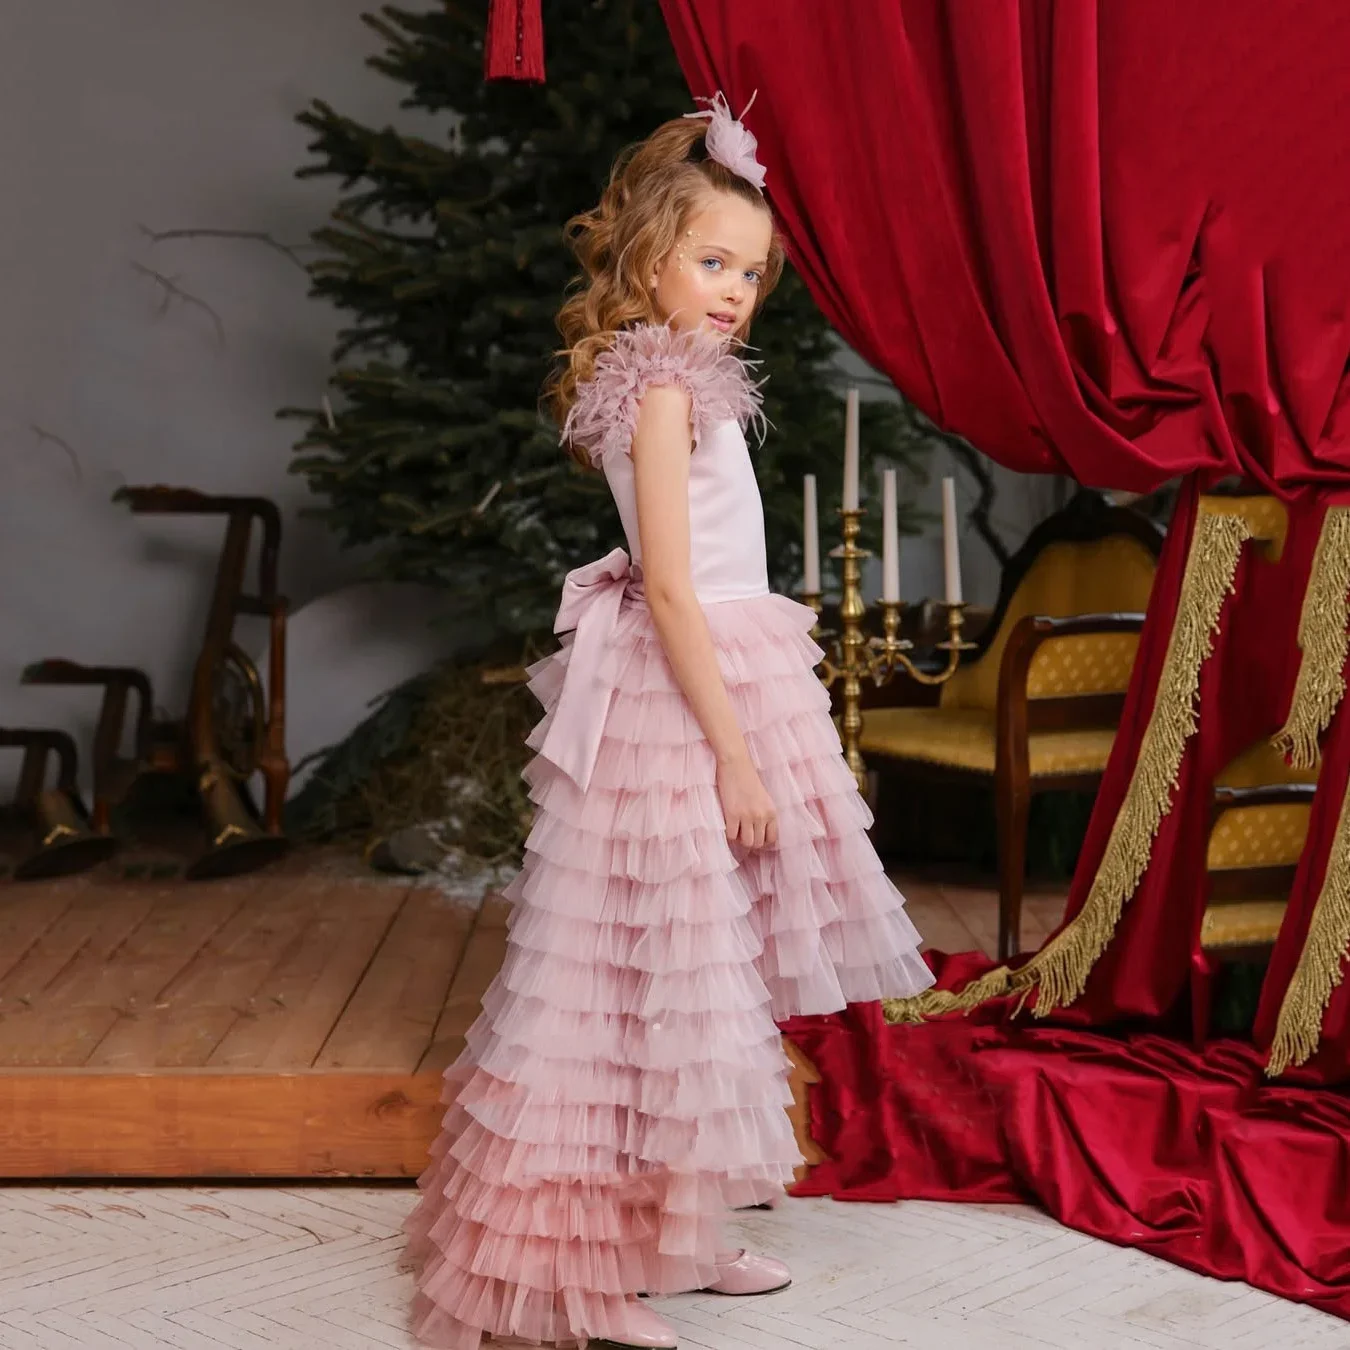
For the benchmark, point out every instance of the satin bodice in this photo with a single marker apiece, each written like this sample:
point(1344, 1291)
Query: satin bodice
point(727, 558)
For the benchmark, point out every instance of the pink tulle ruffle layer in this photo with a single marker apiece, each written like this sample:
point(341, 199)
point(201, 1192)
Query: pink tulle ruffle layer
point(626, 1083)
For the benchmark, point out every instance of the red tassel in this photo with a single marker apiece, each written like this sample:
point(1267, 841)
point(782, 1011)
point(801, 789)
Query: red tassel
point(514, 47)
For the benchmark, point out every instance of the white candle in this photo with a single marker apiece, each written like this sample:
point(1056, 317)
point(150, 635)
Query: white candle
point(950, 556)
point(810, 538)
point(890, 540)
point(851, 451)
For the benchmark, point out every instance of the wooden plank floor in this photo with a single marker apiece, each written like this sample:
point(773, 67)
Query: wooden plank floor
point(292, 1023)
point(295, 1022)
point(957, 911)
point(273, 971)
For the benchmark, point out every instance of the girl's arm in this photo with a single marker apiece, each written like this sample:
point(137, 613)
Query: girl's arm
point(661, 447)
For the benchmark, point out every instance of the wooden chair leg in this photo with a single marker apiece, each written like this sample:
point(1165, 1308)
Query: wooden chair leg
point(32, 769)
point(275, 767)
point(276, 777)
point(1013, 809)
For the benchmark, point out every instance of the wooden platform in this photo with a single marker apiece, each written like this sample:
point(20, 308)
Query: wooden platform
point(295, 1023)
point(292, 1023)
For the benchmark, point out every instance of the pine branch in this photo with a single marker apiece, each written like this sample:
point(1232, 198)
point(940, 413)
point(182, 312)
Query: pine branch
point(446, 260)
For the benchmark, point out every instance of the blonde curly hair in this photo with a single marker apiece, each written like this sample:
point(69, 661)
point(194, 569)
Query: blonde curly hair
point(654, 188)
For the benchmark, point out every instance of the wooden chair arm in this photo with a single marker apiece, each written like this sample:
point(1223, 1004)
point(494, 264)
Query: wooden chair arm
point(37, 743)
point(1029, 633)
point(1268, 794)
point(1033, 630)
point(1244, 882)
point(160, 499)
point(116, 682)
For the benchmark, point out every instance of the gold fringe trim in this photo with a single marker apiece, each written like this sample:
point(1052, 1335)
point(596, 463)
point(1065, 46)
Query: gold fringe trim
point(1059, 971)
point(1323, 640)
point(1298, 1031)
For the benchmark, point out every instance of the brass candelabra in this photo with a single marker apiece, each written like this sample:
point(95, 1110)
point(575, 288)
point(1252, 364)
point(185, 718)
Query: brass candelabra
point(852, 657)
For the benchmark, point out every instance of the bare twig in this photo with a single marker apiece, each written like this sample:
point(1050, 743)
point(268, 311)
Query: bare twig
point(43, 436)
point(173, 291)
point(291, 251)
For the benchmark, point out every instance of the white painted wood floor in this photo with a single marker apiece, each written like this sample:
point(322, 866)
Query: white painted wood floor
point(299, 1268)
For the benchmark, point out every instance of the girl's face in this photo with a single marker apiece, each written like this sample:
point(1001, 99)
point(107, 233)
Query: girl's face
point(711, 277)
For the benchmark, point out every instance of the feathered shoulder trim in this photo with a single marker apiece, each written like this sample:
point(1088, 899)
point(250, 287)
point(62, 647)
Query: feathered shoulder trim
point(604, 417)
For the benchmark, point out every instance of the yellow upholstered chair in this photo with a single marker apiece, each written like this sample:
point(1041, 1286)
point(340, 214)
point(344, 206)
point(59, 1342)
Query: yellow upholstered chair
point(1036, 705)
point(1258, 825)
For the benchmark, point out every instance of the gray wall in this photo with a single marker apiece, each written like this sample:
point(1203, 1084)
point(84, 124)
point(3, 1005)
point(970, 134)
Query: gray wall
point(1021, 502)
point(170, 114)
point(164, 114)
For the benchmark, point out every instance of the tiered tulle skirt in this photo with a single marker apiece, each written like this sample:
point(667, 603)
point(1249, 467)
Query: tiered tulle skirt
point(625, 1084)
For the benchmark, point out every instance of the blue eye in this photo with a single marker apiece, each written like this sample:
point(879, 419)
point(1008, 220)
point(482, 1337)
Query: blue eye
point(715, 265)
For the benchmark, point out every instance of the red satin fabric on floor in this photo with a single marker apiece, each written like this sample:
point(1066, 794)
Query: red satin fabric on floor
point(1138, 1140)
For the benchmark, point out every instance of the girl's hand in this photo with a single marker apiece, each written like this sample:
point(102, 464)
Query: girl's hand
point(749, 810)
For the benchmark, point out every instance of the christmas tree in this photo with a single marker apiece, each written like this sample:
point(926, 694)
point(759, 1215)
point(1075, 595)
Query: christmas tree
point(445, 254)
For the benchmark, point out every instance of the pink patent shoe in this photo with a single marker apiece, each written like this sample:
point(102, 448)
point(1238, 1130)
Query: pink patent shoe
point(750, 1273)
point(638, 1328)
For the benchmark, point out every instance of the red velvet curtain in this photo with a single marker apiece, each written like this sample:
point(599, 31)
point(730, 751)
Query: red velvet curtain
point(1105, 240)
point(1245, 689)
point(1331, 1063)
point(1100, 239)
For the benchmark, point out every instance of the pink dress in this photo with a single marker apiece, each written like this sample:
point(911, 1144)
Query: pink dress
point(625, 1083)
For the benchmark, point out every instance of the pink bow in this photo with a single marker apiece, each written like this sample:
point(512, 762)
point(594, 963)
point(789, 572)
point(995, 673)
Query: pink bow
point(591, 599)
point(727, 140)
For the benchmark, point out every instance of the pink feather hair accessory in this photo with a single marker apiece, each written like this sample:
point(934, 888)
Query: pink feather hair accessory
point(728, 140)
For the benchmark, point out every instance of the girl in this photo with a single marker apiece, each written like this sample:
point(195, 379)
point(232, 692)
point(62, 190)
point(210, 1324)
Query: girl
point(698, 864)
